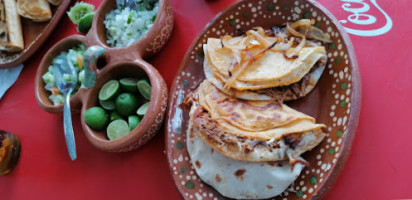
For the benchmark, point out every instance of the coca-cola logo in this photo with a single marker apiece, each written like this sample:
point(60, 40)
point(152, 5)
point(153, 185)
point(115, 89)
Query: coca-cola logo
point(365, 19)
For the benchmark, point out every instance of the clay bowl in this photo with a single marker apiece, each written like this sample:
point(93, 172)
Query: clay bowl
point(150, 44)
point(42, 94)
point(335, 101)
point(116, 63)
point(150, 123)
point(34, 35)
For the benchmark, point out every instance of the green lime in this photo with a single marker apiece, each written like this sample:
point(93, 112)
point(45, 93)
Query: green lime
point(79, 10)
point(143, 109)
point(126, 104)
point(144, 88)
point(96, 118)
point(117, 129)
point(109, 90)
point(133, 121)
point(108, 104)
point(114, 116)
point(85, 23)
point(129, 84)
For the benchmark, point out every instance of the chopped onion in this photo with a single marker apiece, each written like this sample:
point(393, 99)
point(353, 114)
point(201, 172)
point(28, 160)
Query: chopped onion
point(301, 23)
point(293, 31)
point(304, 27)
point(260, 30)
point(259, 38)
point(233, 43)
point(238, 72)
point(318, 34)
point(310, 43)
point(251, 47)
point(291, 53)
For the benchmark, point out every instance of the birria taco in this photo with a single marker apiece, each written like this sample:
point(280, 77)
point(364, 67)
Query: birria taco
point(247, 134)
point(239, 179)
point(279, 64)
point(251, 130)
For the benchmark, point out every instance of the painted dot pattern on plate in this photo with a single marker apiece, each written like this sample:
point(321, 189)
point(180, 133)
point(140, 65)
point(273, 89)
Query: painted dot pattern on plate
point(335, 113)
point(161, 39)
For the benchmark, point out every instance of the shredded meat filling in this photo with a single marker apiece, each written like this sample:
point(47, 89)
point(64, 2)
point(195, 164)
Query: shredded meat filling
point(202, 120)
point(292, 140)
point(293, 91)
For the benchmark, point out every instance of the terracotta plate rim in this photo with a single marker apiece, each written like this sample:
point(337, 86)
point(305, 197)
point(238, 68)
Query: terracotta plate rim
point(355, 99)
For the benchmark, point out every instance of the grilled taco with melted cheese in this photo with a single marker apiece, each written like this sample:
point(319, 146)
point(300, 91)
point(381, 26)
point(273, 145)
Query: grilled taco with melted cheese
point(239, 179)
point(251, 130)
point(267, 65)
point(11, 34)
point(247, 149)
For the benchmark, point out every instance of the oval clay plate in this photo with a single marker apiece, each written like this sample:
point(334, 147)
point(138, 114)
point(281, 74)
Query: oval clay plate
point(34, 35)
point(335, 101)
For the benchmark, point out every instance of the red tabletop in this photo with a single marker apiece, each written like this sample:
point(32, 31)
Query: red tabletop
point(379, 166)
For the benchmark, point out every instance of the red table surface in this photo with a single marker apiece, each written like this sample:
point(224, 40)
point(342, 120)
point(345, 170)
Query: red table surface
point(379, 166)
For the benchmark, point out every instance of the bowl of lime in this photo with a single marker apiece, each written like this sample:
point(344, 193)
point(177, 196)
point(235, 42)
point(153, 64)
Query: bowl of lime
point(115, 117)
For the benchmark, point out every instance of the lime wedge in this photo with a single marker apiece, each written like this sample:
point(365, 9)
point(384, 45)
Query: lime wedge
point(143, 109)
point(144, 88)
point(109, 90)
point(133, 122)
point(79, 10)
point(114, 116)
point(108, 104)
point(85, 23)
point(129, 84)
point(117, 129)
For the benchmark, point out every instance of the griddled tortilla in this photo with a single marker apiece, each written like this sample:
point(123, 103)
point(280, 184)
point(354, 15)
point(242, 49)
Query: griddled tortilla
point(269, 75)
point(251, 130)
point(11, 35)
point(239, 179)
point(37, 10)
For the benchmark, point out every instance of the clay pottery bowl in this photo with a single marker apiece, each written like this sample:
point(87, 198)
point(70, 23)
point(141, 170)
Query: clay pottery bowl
point(150, 123)
point(335, 101)
point(147, 46)
point(42, 94)
point(116, 63)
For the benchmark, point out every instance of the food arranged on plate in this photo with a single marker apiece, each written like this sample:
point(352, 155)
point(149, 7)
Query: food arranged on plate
point(240, 179)
point(247, 135)
point(240, 134)
point(74, 56)
point(11, 31)
point(130, 21)
point(279, 64)
point(125, 99)
point(251, 130)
